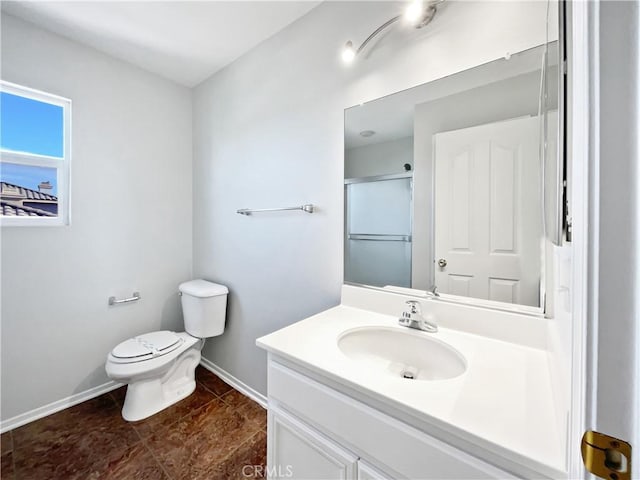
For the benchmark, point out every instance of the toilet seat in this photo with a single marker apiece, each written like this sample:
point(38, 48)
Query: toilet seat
point(146, 347)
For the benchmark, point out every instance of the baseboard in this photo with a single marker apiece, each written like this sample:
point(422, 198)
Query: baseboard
point(234, 382)
point(37, 413)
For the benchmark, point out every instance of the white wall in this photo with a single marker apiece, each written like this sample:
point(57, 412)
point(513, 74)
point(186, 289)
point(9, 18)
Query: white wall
point(131, 221)
point(268, 131)
point(379, 158)
point(617, 360)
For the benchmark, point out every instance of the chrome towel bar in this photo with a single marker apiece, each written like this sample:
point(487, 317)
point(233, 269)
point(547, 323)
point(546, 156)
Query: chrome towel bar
point(135, 298)
point(248, 211)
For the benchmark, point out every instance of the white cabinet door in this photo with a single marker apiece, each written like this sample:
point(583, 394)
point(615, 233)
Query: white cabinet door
point(367, 472)
point(488, 222)
point(298, 452)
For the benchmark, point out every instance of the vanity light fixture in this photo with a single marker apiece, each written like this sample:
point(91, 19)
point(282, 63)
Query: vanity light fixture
point(418, 13)
point(348, 52)
point(414, 11)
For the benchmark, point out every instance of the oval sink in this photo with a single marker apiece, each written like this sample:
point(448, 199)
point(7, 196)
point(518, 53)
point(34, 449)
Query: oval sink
point(410, 355)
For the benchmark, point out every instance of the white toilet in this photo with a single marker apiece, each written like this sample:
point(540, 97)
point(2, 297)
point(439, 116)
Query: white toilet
point(159, 367)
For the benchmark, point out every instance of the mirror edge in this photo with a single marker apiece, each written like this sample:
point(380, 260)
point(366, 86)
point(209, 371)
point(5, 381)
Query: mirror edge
point(535, 312)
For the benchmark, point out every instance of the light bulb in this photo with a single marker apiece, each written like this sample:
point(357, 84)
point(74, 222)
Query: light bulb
point(348, 53)
point(414, 11)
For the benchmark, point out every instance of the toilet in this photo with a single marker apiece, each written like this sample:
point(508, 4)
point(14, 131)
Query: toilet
point(159, 367)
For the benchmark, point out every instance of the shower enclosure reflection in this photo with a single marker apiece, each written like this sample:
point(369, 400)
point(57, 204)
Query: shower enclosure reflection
point(455, 183)
point(379, 227)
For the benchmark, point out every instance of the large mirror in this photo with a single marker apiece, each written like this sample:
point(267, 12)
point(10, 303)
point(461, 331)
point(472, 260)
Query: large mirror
point(456, 183)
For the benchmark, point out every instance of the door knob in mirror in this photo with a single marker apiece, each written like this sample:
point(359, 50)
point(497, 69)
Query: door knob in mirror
point(442, 263)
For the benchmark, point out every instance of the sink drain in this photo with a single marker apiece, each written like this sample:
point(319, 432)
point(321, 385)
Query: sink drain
point(409, 375)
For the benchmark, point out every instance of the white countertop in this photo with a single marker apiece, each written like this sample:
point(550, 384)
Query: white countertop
point(503, 399)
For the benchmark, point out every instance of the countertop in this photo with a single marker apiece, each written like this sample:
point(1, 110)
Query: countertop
point(503, 399)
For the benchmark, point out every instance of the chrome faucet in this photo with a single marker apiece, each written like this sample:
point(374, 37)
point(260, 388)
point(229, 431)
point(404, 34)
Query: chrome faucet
point(412, 318)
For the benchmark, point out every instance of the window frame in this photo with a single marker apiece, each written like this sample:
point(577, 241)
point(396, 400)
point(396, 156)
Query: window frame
point(61, 164)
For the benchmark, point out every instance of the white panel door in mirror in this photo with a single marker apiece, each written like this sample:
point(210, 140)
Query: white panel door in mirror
point(488, 224)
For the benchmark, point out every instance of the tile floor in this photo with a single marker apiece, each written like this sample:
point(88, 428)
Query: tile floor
point(210, 435)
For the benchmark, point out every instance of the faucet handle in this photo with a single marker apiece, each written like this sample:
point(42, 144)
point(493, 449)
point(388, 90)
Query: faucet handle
point(414, 306)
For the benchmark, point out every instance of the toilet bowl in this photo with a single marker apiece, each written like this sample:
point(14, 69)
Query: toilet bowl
point(159, 367)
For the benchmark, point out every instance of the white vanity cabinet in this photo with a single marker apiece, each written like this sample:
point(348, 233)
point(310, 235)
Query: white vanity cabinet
point(318, 432)
point(367, 472)
point(297, 451)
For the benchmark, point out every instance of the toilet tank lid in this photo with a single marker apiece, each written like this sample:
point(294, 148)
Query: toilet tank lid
point(203, 288)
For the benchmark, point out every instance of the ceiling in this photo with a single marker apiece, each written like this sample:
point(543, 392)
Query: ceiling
point(391, 117)
point(183, 41)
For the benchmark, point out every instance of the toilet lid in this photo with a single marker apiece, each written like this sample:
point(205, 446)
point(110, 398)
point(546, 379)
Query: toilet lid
point(145, 346)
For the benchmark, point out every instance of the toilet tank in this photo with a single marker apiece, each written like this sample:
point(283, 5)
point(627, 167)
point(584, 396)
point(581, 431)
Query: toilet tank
point(204, 307)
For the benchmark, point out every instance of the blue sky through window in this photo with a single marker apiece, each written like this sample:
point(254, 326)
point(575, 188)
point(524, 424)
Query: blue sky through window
point(28, 176)
point(31, 126)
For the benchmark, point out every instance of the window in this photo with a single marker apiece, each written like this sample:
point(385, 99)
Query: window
point(35, 156)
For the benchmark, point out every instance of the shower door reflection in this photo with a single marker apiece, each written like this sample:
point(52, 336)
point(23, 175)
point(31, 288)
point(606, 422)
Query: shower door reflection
point(378, 230)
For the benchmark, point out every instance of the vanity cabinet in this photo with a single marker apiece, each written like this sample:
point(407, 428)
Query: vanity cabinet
point(367, 472)
point(318, 432)
point(297, 451)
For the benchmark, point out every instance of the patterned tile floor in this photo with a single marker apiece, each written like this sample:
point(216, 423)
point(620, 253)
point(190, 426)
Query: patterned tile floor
point(215, 433)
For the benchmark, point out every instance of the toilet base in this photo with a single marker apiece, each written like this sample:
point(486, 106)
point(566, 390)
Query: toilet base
point(149, 396)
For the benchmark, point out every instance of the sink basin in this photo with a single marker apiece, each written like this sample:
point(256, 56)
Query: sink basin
point(409, 354)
